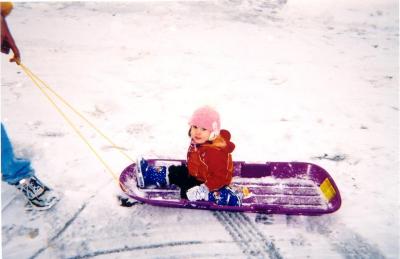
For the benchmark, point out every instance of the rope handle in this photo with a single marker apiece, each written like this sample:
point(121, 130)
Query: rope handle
point(37, 81)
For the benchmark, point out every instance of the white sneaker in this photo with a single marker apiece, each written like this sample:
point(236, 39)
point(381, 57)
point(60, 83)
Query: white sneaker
point(38, 194)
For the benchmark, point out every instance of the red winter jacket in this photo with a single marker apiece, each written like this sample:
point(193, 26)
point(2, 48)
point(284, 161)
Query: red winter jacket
point(211, 162)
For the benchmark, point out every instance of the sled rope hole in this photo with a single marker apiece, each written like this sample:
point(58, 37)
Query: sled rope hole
point(37, 81)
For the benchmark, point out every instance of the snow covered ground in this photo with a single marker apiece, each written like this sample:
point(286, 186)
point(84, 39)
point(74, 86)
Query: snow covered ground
point(293, 80)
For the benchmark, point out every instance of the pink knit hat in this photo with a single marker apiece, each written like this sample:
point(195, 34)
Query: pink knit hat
point(206, 117)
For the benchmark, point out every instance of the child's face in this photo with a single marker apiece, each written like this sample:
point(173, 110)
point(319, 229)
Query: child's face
point(199, 135)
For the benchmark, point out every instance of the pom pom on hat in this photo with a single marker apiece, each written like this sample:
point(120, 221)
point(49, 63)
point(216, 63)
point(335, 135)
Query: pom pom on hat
point(207, 118)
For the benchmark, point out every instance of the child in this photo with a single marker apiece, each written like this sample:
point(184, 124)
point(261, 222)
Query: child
point(209, 167)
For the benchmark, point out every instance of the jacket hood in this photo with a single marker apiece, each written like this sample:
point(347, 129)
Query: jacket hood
point(223, 141)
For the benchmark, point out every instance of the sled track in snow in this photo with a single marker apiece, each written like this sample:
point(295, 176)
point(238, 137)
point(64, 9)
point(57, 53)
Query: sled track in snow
point(244, 233)
point(252, 242)
point(4, 207)
point(68, 223)
point(148, 247)
point(59, 233)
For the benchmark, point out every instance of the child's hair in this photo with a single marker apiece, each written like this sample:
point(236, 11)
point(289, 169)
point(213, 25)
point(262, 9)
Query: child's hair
point(207, 118)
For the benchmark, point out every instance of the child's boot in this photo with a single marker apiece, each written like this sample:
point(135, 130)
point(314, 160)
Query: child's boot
point(225, 196)
point(150, 175)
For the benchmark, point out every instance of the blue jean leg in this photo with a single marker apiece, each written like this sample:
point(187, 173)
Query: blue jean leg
point(12, 169)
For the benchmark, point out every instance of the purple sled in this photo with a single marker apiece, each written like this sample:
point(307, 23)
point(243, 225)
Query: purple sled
point(293, 188)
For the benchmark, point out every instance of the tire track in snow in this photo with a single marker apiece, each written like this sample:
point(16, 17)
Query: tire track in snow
point(252, 242)
point(345, 241)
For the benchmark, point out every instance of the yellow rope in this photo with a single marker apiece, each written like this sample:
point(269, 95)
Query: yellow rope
point(34, 78)
point(79, 114)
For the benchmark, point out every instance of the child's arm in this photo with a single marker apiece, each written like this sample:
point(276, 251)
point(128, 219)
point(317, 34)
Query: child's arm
point(219, 173)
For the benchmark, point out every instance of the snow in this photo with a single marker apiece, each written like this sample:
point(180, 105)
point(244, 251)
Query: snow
point(292, 81)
